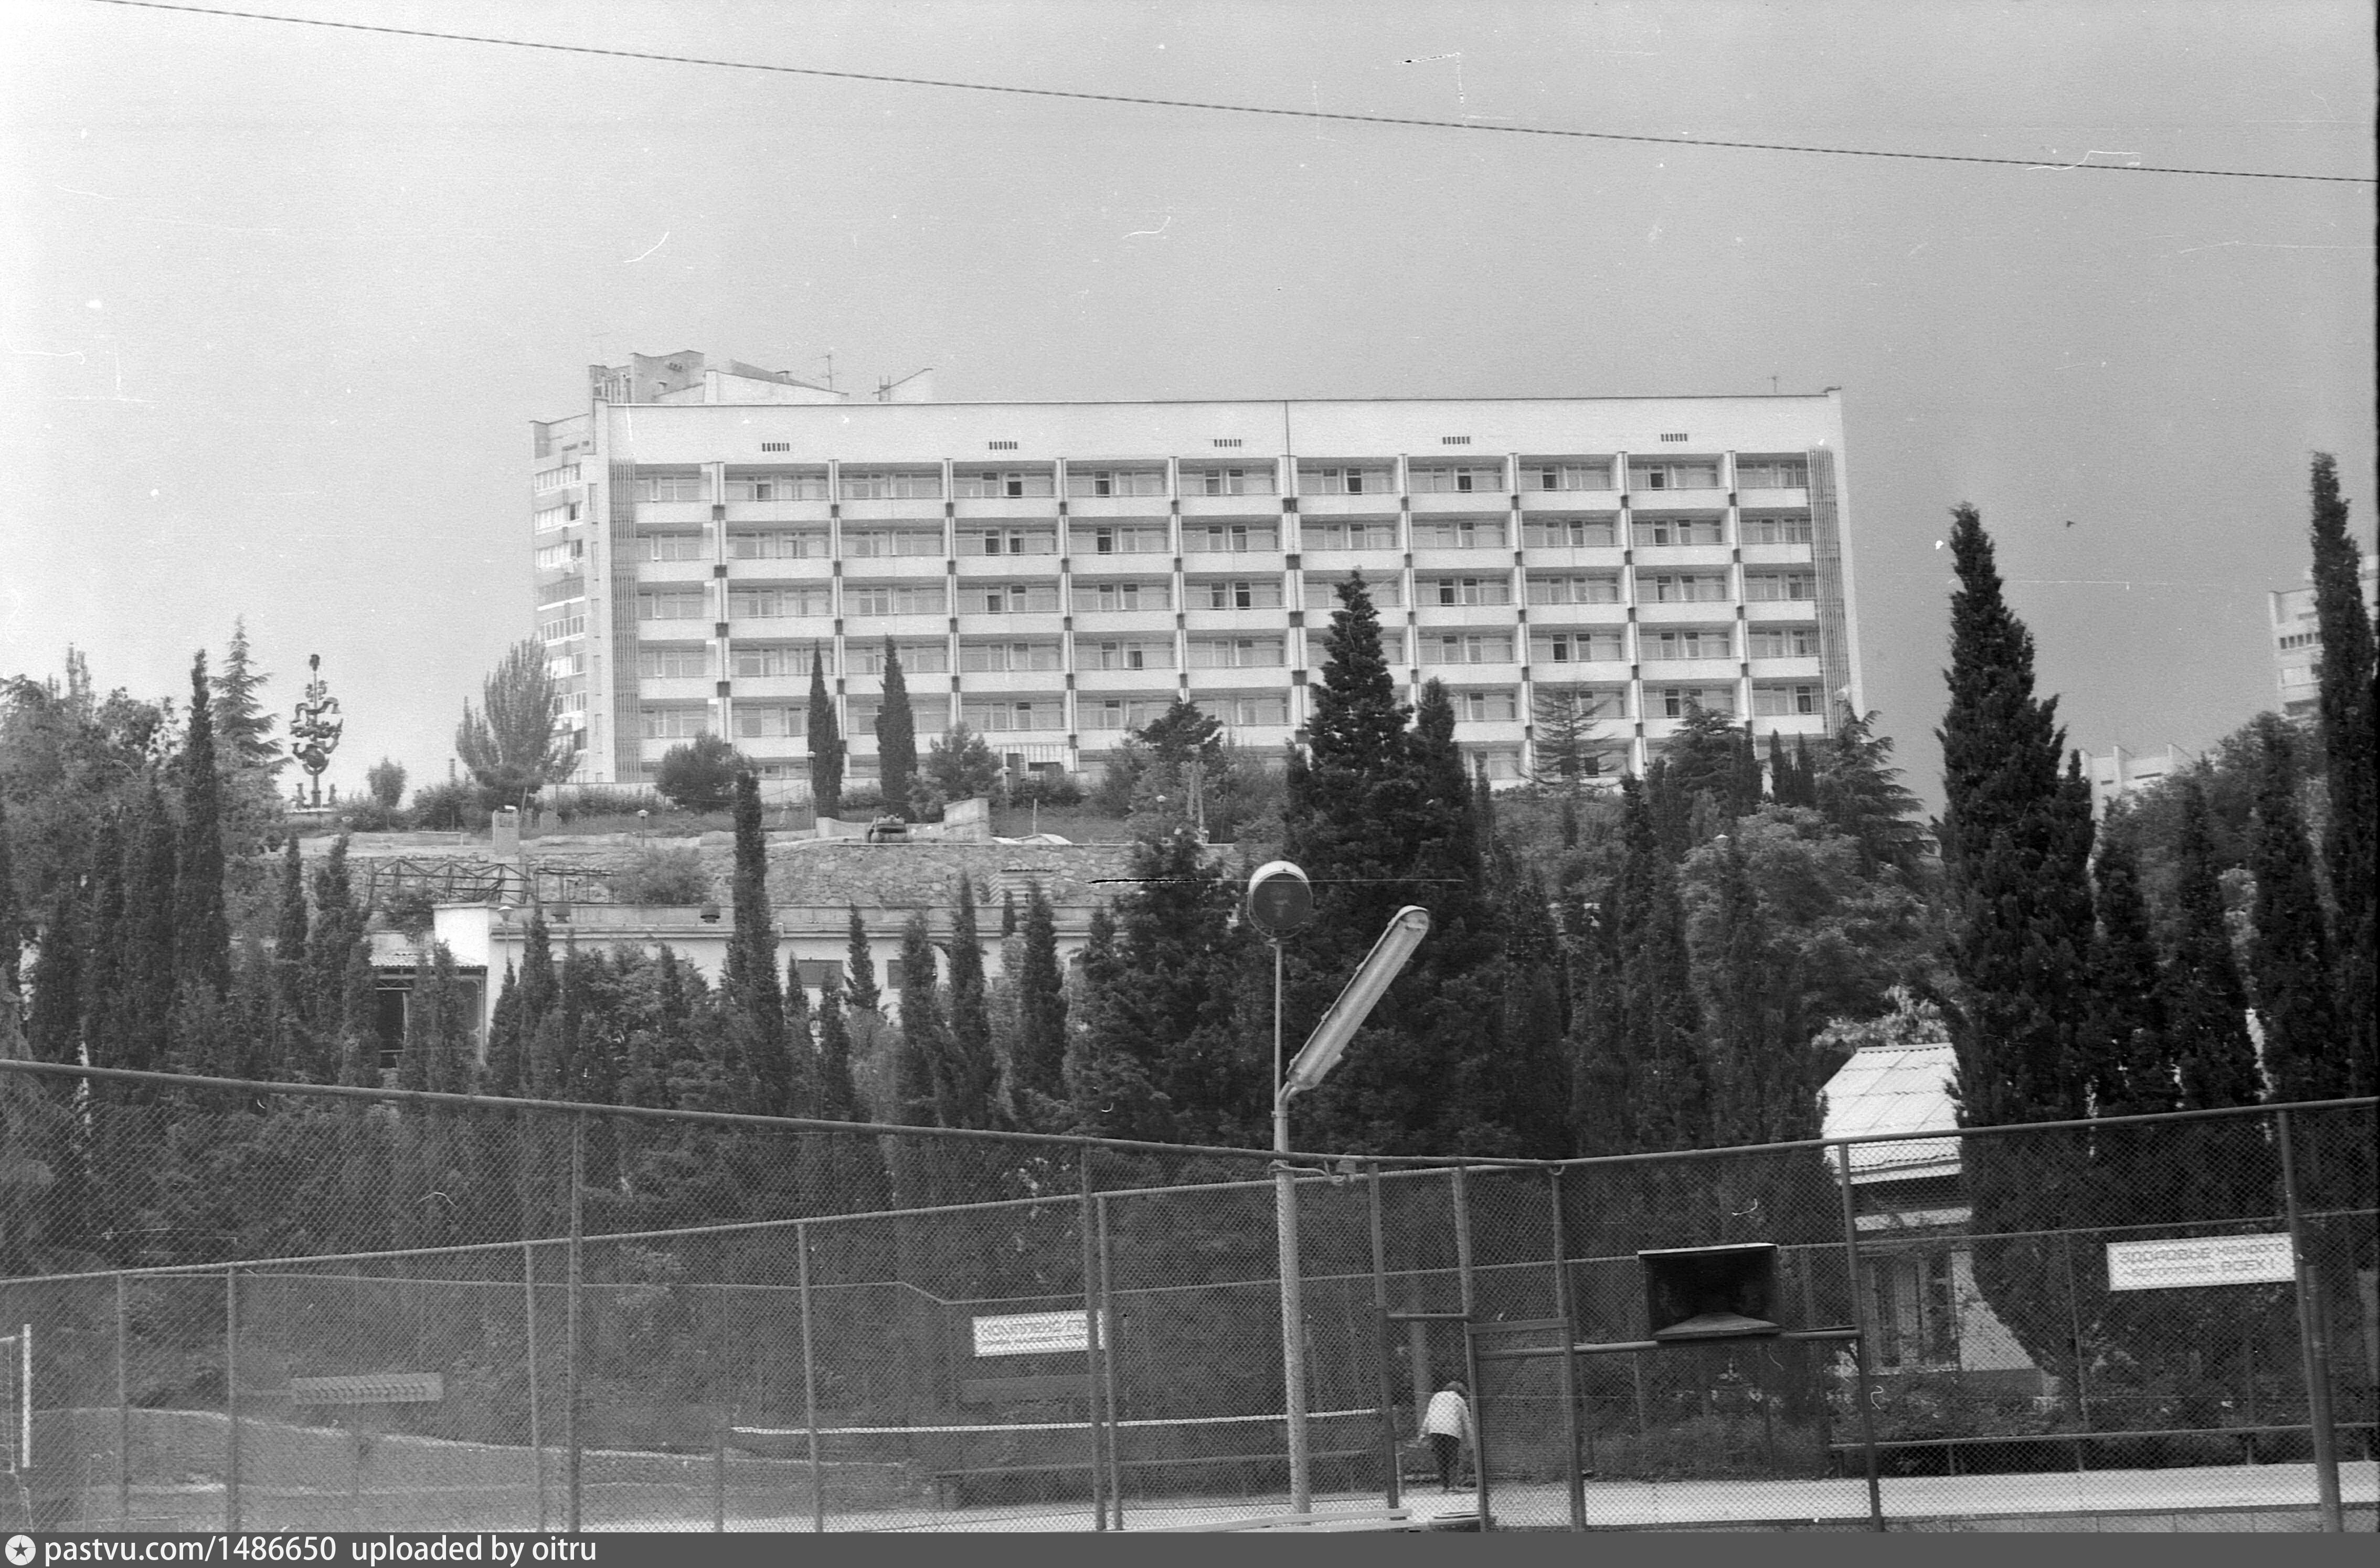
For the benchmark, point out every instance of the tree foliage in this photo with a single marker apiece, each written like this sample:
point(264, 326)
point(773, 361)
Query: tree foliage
point(2350, 748)
point(896, 736)
point(699, 775)
point(825, 743)
point(512, 745)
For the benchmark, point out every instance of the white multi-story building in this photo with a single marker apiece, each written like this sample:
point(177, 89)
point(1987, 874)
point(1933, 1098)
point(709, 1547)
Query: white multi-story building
point(1054, 574)
point(2297, 642)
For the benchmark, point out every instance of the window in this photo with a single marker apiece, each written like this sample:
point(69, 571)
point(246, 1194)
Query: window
point(866, 656)
point(1115, 481)
point(1784, 642)
point(1008, 541)
point(776, 487)
point(548, 517)
point(1585, 587)
point(1777, 528)
point(552, 555)
point(1499, 763)
point(1467, 590)
point(1232, 538)
point(1006, 482)
point(1149, 654)
point(555, 479)
point(893, 599)
point(1234, 653)
point(776, 546)
point(778, 723)
point(565, 664)
point(1772, 586)
point(1125, 539)
point(671, 605)
point(1689, 644)
point(1683, 588)
point(1495, 706)
point(1122, 713)
point(562, 627)
point(1772, 473)
point(1590, 473)
point(1006, 656)
point(672, 663)
point(999, 717)
point(759, 661)
point(678, 546)
point(1584, 701)
point(893, 541)
point(562, 590)
point(1228, 482)
point(1258, 593)
point(1252, 708)
point(1450, 533)
point(1322, 536)
point(1352, 480)
point(1573, 533)
point(776, 604)
point(1573, 647)
point(891, 484)
point(1124, 596)
point(676, 723)
point(863, 712)
point(1323, 595)
point(1456, 478)
point(1678, 473)
point(1680, 530)
point(673, 487)
point(1776, 701)
point(1006, 599)
point(1677, 700)
point(1480, 648)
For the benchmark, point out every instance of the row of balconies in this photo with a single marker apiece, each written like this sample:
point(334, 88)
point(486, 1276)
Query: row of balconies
point(1381, 503)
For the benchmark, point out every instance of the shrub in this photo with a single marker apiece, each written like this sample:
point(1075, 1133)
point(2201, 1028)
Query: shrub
point(700, 774)
point(861, 801)
point(1045, 788)
point(385, 779)
point(452, 807)
point(603, 800)
point(409, 909)
point(670, 873)
point(962, 765)
point(373, 816)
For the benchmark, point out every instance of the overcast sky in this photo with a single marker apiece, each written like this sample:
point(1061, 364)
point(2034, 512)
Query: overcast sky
point(279, 302)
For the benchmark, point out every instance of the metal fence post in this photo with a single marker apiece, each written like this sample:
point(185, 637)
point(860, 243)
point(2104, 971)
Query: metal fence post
point(573, 1520)
point(810, 1375)
point(1470, 1356)
point(231, 1401)
point(1106, 1394)
point(2311, 1338)
point(1087, 1225)
point(536, 1430)
point(1859, 1342)
point(1392, 1483)
point(1575, 1474)
point(123, 1415)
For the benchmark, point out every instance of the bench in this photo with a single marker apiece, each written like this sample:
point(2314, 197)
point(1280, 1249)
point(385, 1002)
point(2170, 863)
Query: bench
point(950, 1484)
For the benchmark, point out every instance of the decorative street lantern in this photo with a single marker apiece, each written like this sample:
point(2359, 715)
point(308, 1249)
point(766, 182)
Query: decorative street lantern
point(314, 729)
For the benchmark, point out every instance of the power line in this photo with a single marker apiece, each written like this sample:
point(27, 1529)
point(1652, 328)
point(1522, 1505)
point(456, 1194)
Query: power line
point(1339, 116)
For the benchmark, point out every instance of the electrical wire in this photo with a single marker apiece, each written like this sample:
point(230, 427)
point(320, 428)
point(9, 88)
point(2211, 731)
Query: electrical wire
point(1338, 115)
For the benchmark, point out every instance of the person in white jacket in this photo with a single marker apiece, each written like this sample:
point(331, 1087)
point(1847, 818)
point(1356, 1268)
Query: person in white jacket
point(1447, 1425)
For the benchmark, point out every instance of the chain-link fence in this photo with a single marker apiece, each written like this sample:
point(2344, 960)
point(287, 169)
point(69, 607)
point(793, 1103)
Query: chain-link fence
point(290, 1307)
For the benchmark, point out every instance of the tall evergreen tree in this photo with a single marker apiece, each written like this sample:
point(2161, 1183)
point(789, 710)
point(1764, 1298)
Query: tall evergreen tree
point(293, 1057)
point(2016, 841)
point(54, 1026)
point(968, 1075)
point(146, 1012)
point(1805, 774)
point(924, 1038)
point(2137, 1074)
point(103, 932)
point(1598, 1074)
point(2351, 764)
point(825, 743)
point(202, 934)
point(2206, 1005)
point(801, 1046)
point(1042, 1001)
point(1669, 1094)
point(896, 736)
point(13, 926)
point(1780, 771)
point(748, 985)
point(1859, 791)
point(2291, 958)
point(862, 992)
point(247, 755)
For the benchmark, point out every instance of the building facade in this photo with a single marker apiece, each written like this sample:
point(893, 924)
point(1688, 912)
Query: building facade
point(1053, 575)
point(2297, 642)
point(2120, 774)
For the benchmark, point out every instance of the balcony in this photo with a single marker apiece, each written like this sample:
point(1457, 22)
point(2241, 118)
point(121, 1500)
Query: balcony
point(1499, 616)
point(1266, 505)
point(1791, 611)
point(1813, 725)
point(1130, 623)
point(781, 629)
point(983, 626)
point(772, 688)
point(1238, 563)
point(1681, 557)
point(688, 630)
point(1776, 556)
point(1120, 508)
point(1370, 507)
point(916, 513)
point(1711, 613)
point(1577, 502)
point(1274, 621)
point(668, 514)
point(1242, 677)
point(991, 686)
point(1785, 669)
point(1583, 671)
point(1771, 500)
point(1474, 559)
point(653, 749)
point(1645, 500)
point(1461, 502)
point(1553, 557)
point(812, 512)
point(1034, 509)
point(786, 569)
point(1562, 617)
point(1150, 564)
point(1004, 568)
point(893, 568)
point(657, 688)
point(1467, 675)
point(1126, 682)
point(672, 571)
point(900, 628)
point(773, 747)
point(1689, 672)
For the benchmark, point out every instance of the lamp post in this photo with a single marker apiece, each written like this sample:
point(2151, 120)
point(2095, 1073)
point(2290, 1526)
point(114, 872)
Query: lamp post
point(1280, 900)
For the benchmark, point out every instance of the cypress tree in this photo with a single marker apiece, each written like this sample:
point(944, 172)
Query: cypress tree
point(1780, 771)
point(825, 743)
point(2351, 764)
point(2137, 1075)
point(1042, 1001)
point(144, 1038)
point(103, 932)
point(54, 1026)
point(202, 936)
point(1805, 774)
point(1598, 1072)
point(1668, 1101)
point(852, 1179)
point(866, 996)
point(748, 986)
point(801, 1047)
point(2291, 958)
point(2016, 841)
point(12, 918)
point(2206, 1005)
point(896, 736)
point(968, 1073)
point(293, 1057)
point(923, 1039)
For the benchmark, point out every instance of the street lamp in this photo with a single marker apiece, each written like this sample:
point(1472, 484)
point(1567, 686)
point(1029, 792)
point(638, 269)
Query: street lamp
point(1280, 900)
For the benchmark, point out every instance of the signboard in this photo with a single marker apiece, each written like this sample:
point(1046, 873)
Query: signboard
point(2261, 1259)
point(371, 1388)
point(1032, 1334)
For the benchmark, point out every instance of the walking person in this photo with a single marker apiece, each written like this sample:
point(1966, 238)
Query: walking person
point(1447, 1423)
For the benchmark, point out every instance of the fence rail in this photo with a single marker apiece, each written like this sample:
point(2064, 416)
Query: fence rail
point(299, 1307)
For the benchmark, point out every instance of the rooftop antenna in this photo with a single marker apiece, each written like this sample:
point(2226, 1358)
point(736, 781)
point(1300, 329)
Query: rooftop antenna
point(829, 357)
point(886, 387)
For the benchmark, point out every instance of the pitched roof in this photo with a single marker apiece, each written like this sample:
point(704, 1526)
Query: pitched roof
point(1895, 1089)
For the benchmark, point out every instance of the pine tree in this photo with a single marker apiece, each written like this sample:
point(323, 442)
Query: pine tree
point(2016, 843)
point(825, 743)
point(967, 1074)
point(250, 758)
point(2291, 958)
point(2206, 1005)
point(1042, 1001)
point(749, 986)
point(1859, 791)
point(2351, 764)
point(896, 736)
point(202, 935)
